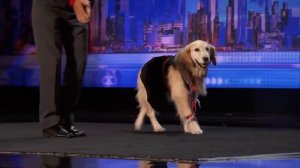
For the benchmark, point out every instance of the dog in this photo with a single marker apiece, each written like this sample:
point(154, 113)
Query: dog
point(179, 79)
point(156, 164)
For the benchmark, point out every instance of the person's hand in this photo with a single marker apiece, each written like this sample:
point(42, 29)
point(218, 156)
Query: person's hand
point(82, 9)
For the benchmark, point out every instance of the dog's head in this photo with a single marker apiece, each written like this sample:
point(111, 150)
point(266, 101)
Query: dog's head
point(197, 56)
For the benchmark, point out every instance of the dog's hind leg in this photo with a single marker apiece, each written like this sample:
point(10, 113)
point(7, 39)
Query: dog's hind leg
point(155, 124)
point(140, 119)
point(141, 97)
point(145, 108)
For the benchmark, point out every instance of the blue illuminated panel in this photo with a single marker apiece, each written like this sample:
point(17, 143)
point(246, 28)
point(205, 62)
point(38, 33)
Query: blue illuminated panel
point(233, 70)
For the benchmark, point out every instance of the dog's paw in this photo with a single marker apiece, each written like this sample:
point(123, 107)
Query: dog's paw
point(196, 132)
point(159, 129)
point(138, 126)
point(193, 128)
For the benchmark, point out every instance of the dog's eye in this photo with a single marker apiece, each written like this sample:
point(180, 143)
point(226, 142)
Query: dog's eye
point(207, 48)
point(197, 49)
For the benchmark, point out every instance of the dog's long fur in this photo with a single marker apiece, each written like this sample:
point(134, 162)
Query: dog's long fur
point(190, 67)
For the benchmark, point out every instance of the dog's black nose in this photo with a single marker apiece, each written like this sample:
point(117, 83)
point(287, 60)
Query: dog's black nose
point(205, 59)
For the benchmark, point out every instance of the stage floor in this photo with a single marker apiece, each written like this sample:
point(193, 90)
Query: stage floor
point(118, 141)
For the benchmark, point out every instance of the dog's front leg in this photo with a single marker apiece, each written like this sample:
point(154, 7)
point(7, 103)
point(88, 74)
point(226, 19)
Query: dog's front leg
point(179, 95)
point(189, 121)
point(192, 126)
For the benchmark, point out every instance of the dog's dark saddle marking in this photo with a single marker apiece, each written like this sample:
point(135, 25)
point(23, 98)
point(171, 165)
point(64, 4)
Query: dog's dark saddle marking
point(154, 77)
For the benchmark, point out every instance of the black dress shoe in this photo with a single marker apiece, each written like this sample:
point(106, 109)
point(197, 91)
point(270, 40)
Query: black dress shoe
point(74, 131)
point(57, 132)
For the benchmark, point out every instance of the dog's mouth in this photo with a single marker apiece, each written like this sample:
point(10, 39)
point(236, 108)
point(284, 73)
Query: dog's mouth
point(202, 66)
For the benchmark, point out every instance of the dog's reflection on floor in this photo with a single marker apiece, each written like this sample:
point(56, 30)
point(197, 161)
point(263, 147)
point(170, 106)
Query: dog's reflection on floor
point(154, 164)
point(66, 162)
point(55, 162)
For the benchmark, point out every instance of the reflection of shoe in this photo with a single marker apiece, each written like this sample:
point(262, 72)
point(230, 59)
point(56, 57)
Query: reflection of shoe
point(57, 132)
point(74, 131)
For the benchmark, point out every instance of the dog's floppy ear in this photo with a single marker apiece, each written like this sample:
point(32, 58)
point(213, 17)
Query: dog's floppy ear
point(185, 55)
point(212, 55)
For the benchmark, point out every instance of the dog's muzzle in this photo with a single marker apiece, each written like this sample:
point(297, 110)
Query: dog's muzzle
point(203, 68)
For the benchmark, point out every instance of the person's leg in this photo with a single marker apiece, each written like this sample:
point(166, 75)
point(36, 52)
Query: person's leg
point(75, 39)
point(45, 22)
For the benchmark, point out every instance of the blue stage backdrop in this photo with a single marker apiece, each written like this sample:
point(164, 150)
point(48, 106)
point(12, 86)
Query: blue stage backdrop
point(257, 41)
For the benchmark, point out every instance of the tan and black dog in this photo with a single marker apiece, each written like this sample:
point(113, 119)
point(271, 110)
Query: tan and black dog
point(177, 78)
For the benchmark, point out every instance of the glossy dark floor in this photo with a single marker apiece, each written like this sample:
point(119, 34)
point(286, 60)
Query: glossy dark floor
point(109, 145)
point(47, 161)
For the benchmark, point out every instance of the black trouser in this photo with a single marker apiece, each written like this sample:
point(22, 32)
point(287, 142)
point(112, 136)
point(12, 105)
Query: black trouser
point(56, 29)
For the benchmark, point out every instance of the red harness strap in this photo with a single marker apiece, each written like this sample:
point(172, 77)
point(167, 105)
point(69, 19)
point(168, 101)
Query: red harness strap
point(193, 99)
point(71, 3)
